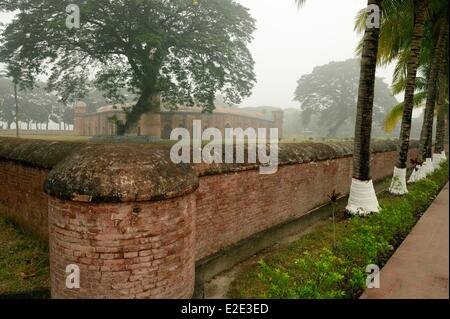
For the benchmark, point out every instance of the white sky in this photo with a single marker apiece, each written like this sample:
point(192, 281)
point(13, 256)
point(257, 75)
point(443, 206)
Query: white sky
point(290, 42)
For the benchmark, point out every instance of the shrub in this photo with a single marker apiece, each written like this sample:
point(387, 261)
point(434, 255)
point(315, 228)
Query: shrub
point(370, 240)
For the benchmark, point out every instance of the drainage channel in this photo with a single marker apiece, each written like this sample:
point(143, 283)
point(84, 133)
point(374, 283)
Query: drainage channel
point(215, 274)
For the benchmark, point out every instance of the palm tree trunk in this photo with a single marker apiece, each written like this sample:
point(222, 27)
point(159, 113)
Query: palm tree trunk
point(363, 126)
point(413, 61)
point(398, 184)
point(362, 195)
point(440, 128)
point(427, 127)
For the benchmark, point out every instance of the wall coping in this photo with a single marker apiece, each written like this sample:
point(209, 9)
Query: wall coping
point(36, 153)
point(300, 153)
point(100, 172)
point(120, 173)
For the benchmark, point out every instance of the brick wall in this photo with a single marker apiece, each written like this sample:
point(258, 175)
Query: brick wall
point(234, 206)
point(135, 223)
point(22, 198)
point(131, 250)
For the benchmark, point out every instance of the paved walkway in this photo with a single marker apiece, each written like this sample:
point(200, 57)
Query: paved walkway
point(419, 269)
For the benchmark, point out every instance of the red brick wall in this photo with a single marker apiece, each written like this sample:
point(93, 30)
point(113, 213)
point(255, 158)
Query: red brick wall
point(149, 249)
point(122, 254)
point(234, 206)
point(22, 197)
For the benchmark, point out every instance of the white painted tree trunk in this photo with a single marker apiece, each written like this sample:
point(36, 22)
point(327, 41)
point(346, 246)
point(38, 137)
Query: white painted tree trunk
point(421, 172)
point(413, 177)
point(437, 160)
point(429, 168)
point(398, 184)
point(363, 199)
point(443, 156)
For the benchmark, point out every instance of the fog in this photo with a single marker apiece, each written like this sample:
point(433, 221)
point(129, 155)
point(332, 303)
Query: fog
point(290, 42)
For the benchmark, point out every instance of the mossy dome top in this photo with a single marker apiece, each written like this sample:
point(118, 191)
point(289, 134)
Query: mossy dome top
point(120, 173)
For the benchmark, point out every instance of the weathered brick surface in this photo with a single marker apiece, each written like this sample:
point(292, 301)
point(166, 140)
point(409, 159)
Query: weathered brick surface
point(127, 250)
point(145, 244)
point(22, 198)
point(236, 205)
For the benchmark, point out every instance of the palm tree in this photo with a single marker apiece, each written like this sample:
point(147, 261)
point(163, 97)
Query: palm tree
point(398, 184)
point(395, 115)
point(401, 35)
point(438, 56)
point(402, 38)
point(442, 113)
point(363, 199)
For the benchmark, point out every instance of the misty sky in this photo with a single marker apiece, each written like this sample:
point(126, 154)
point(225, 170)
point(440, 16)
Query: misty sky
point(290, 42)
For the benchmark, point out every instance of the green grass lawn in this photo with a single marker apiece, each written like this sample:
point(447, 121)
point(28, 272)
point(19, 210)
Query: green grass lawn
point(312, 267)
point(24, 262)
point(70, 138)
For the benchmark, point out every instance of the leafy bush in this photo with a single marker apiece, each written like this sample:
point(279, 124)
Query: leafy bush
point(324, 284)
point(370, 240)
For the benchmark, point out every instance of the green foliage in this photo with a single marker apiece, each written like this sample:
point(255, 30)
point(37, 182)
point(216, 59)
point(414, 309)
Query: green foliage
point(327, 98)
point(364, 241)
point(185, 52)
point(24, 263)
point(327, 276)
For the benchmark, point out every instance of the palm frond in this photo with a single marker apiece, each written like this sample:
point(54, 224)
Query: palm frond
point(396, 114)
point(399, 85)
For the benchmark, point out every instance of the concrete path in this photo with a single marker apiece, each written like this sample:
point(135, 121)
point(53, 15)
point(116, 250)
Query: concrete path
point(419, 269)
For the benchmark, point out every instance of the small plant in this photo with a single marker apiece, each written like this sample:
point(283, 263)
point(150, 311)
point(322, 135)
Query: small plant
point(340, 272)
point(328, 275)
point(334, 198)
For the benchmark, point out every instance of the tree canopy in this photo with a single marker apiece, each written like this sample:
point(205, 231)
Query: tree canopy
point(328, 96)
point(184, 51)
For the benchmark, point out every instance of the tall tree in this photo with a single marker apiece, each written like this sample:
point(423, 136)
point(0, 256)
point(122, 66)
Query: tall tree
point(398, 184)
point(363, 200)
point(438, 58)
point(406, 37)
point(185, 52)
point(327, 96)
point(442, 113)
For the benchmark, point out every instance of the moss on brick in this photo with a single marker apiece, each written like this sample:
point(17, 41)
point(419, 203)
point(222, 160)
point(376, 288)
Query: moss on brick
point(36, 153)
point(140, 172)
point(120, 173)
point(299, 153)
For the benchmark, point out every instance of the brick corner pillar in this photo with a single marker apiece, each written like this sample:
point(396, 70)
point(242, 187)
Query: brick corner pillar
point(124, 215)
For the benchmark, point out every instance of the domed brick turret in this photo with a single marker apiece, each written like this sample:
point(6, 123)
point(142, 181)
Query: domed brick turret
point(124, 215)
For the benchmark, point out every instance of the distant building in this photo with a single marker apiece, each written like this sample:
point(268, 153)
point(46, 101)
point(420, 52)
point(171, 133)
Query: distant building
point(161, 124)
